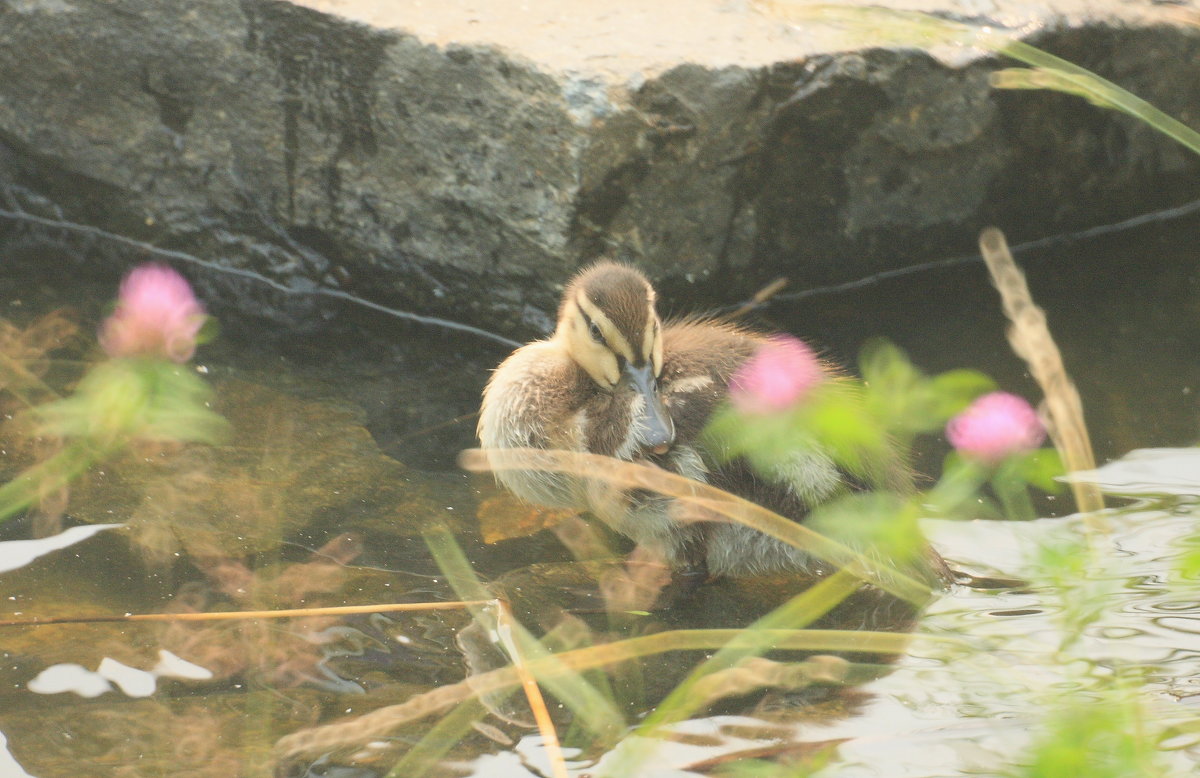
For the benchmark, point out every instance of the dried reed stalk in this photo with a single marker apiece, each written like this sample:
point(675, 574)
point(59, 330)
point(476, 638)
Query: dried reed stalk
point(288, 613)
point(505, 627)
point(1030, 338)
point(755, 672)
point(383, 722)
point(760, 297)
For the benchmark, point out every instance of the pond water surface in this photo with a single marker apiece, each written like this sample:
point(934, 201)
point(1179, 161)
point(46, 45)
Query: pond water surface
point(343, 448)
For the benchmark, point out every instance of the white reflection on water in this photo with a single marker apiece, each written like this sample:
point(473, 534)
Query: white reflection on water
point(9, 767)
point(70, 677)
point(18, 553)
point(1148, 471)
point(966, 713)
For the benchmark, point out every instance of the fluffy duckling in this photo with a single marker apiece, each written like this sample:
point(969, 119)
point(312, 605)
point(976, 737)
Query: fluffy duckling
point(614, 380)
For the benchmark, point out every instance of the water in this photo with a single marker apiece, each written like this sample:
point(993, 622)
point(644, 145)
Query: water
point(344, 445)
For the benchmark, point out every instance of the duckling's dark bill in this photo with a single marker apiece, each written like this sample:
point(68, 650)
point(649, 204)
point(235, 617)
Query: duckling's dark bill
point(658, 431)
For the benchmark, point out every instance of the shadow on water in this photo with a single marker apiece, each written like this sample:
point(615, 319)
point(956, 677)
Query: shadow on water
point(1123, 311)
point(344, 441)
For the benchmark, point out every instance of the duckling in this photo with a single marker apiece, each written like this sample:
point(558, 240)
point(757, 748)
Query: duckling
point(614, 380)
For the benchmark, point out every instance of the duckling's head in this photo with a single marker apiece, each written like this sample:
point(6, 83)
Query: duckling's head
point(608, 325)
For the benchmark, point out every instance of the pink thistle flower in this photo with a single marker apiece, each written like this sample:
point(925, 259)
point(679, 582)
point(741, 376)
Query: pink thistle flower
point(777, 377)
point(996, 426)
point(157, 315)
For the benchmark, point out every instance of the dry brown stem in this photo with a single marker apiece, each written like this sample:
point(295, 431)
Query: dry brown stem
point(1031, 340)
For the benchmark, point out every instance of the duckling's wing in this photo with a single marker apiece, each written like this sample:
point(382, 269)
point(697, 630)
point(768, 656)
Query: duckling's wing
point(528, 400)
point(699, 358)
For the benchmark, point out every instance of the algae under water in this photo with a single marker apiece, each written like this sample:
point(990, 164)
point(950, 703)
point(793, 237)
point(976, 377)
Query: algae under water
point(343, 448)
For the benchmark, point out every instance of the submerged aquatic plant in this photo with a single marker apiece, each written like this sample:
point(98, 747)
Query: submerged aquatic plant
point(258, 650)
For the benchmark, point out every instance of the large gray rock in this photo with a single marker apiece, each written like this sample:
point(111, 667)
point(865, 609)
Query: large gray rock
point(465, 167)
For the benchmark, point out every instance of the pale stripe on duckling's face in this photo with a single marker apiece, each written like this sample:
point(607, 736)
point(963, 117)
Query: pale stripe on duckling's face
point(601, 347)
point(608, 326)
point(597, 342)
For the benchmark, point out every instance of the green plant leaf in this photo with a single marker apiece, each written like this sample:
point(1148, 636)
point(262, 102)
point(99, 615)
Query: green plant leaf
point(884, 525)
point(905, 400)
point(954, 390)
point(1041, 469)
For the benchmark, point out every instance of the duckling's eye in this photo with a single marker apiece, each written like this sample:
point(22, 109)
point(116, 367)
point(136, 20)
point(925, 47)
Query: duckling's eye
point(597, 335)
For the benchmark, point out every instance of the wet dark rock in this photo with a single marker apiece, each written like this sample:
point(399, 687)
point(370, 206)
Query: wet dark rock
point(466, 180)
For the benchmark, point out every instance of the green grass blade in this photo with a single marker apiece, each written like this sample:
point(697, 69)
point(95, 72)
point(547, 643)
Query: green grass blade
point(443, 736)
point(595, 711)
point(884, 26)
point(757, 639)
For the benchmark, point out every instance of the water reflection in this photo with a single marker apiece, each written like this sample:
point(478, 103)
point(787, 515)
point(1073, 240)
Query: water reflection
point(1156, 471)
point(339, 457)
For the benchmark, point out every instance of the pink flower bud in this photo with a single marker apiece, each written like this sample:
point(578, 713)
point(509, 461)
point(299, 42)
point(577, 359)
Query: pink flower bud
point(995, 426)
point(777, 377)
point(157, 315)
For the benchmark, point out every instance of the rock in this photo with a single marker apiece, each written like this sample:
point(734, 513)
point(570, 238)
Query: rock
point(418, 155)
